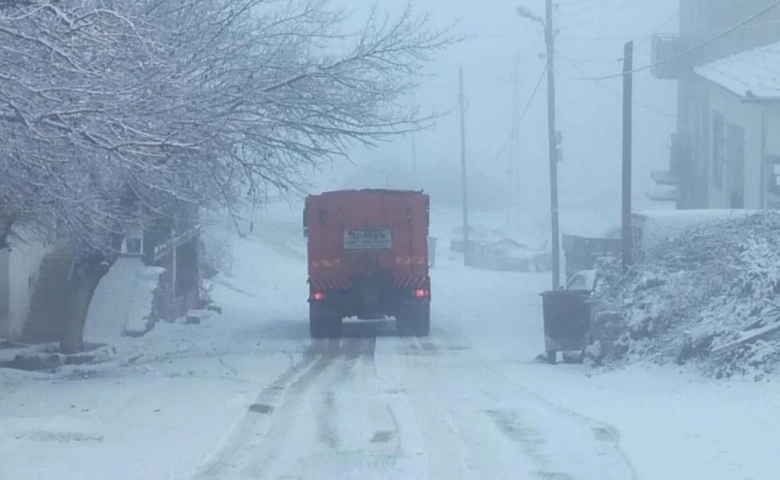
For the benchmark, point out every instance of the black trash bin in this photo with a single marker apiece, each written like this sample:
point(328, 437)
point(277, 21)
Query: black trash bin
point(567, 316)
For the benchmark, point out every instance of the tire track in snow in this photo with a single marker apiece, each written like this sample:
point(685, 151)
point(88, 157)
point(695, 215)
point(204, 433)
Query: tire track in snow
point(448, 453)
point(310, 365)
point(265, 448)
point(299, 410)
point(600, 433)
point(324, 438)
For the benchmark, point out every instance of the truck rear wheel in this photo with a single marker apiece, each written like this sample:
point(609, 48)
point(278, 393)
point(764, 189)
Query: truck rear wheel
point(424, 322)
point(415, 321)
point(325, 327)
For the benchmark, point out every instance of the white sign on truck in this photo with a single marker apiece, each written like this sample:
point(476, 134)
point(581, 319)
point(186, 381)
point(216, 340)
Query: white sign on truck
point(368, 239)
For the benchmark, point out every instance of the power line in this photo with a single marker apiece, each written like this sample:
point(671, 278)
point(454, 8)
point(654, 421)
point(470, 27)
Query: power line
point(531, 99)
point(604, 38)
point(666, 22)
point(604, 87)
point(645, 38)
point(694, 48)
point(496, 158)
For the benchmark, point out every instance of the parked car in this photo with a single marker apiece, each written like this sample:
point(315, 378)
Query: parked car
point(583, 280)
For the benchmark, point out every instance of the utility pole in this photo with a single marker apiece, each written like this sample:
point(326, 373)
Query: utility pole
point(628, 86)
point(466, 242)
point(552, 140)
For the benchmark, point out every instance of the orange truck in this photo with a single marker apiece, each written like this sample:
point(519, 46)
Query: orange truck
point(368, 258)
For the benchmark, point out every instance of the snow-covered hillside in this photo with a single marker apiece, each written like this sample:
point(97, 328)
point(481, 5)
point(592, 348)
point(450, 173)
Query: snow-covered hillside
point(709, 296)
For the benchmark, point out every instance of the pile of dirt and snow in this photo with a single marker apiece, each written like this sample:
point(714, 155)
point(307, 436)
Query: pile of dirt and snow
point(710, 295)
point(47, 357)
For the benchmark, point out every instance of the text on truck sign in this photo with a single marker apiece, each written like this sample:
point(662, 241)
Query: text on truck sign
point(368, 239)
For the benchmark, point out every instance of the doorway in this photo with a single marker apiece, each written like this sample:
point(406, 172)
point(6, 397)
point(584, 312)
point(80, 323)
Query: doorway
point(735, 143)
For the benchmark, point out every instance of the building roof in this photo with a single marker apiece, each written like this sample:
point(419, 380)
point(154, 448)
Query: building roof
point(752, 74)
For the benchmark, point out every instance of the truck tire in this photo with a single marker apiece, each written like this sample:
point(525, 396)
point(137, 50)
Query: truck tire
point(336, 324)
point(403, 327)
point(325, 327)
point(423, 324)
point(415, 321)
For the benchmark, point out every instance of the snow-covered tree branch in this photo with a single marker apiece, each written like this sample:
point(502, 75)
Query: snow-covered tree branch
point(108, 106)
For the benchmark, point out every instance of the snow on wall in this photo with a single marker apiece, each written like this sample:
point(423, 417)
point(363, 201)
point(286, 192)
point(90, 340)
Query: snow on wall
point(24, 262)
point(123, 300)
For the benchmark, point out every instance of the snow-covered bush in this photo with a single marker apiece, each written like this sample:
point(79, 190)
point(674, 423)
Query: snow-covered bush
point(709, 296)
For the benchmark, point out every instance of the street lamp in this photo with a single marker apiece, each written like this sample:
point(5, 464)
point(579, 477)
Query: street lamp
point(552, 137)
point(527, 13)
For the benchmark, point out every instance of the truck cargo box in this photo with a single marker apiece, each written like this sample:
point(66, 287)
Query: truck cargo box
point(368, 257)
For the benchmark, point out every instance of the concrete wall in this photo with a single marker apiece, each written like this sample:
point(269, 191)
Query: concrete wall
point(772, 126)
point(5, 291)
point(749, 117)
point(694, 124)
point(22, 266)
point(772, 153)
point(701, 21)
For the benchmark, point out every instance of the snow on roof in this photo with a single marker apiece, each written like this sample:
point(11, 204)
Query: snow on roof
point(751, 74)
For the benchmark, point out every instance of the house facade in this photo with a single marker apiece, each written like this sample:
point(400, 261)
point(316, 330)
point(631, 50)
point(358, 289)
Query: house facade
point(35, 277)
point(726, 62)
point(19, 269)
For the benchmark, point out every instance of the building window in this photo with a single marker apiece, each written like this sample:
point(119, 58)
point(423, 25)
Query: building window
point(735, 142)
point(133, 243)
point(774, 178)
point(704, 155)
point(718, 150)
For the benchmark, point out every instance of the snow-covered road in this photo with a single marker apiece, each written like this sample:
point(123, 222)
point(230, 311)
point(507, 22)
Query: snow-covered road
point(250, 395)
point(375, 405)
point(372, 405)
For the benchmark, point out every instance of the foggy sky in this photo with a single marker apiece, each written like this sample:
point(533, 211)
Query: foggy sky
point(590, 43)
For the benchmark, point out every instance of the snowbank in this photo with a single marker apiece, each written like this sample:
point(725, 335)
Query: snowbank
point(123, 300)
point(709, 296)
point(656, 226)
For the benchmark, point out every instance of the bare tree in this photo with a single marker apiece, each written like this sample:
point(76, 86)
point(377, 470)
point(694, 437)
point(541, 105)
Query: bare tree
point(108, 106)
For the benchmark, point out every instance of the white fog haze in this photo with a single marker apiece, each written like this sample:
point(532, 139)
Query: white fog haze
point(590, 43)
point(357, 239)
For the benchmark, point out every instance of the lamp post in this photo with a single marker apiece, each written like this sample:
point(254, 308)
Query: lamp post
point(552, 137)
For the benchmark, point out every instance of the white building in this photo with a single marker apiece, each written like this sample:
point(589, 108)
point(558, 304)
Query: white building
point(726, 151)
point(19, 268)
point(740, 141)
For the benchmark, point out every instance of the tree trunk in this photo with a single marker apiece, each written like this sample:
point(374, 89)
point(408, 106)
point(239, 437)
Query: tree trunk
point(6, 222)
point(86, 277)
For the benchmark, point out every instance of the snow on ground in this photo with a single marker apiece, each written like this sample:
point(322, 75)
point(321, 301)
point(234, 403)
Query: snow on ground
point(123, 300)
point(248, 395)
point(160, 405)
point(698, 297)
point(672, 423)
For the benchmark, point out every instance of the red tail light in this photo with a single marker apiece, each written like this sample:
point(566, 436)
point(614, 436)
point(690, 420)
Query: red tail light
point(318, 296)
point(421, 293)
